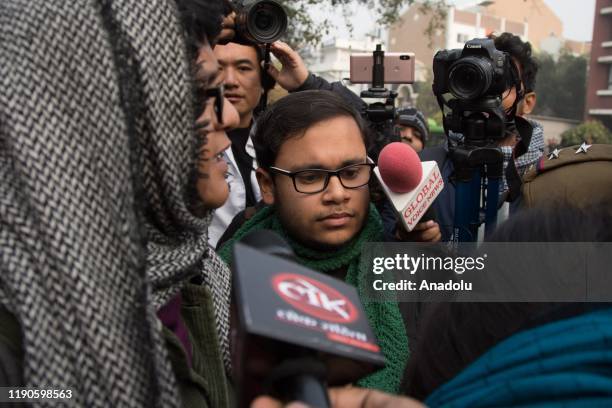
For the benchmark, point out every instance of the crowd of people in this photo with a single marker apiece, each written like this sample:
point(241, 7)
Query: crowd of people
point(135, 151)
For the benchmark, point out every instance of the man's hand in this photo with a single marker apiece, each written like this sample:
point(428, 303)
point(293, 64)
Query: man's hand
point(227, 29)
point(348, 398)
point(428, 231)
point(293, 73)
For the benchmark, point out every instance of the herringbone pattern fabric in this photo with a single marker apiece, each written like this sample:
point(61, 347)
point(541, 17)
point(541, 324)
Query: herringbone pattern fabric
point(96, 150)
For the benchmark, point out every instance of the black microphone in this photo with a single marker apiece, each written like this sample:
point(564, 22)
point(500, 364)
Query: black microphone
point(295, 331)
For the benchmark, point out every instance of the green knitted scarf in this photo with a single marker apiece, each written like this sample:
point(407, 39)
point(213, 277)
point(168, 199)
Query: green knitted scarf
point(384, 317)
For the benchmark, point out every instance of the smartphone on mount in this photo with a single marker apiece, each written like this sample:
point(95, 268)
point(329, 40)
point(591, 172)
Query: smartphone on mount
point(399, 68)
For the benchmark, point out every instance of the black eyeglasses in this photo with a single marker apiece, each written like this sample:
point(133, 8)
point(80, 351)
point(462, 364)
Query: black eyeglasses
point(311, 181)
point(214, 92)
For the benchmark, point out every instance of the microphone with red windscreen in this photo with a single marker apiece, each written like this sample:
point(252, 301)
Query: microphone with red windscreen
point(411, 185)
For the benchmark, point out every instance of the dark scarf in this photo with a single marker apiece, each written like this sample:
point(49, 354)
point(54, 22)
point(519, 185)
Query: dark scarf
point(384, 317)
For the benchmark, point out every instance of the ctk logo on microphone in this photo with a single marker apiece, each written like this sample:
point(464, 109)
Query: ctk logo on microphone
point(314, 298)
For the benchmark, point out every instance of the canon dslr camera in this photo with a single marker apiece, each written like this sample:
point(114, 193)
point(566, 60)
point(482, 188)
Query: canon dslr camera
point(478, 71)
point(259, 21)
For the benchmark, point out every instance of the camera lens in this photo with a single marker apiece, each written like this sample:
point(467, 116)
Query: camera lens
point(263, 21)
point(470, 77)
point(266, 21)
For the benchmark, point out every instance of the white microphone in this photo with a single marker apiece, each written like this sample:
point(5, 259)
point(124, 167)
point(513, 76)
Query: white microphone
point(411, 185)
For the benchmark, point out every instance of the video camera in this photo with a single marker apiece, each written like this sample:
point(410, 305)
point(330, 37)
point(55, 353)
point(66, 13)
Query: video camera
point(479, 70)
point(477, 77)
point(259, 22)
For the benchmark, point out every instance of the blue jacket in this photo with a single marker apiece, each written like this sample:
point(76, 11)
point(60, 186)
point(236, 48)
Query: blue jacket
point(564, 363)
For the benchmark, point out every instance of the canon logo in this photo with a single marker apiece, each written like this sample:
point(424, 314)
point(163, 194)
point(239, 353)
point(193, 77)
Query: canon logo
point(473, 46)
point(314, 297)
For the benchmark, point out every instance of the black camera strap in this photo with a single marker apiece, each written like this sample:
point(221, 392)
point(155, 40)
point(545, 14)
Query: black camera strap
point(524, 129)
point(263, 101)
point(517, 81)
point(513, 178)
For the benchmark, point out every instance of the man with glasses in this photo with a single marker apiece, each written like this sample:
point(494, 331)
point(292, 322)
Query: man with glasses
point(314, 176)
point(245, 83)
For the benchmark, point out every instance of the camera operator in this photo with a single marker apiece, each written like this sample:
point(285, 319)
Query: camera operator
point(240, 70)
point(523, 132)
point(536, 145)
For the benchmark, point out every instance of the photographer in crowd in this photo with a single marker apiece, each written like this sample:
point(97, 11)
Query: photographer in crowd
point(244, 81)
point(520, 136)
point(526, 162)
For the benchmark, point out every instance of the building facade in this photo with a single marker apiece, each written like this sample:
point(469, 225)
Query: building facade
point(332, 59)
point(599, 85)
point(532, 20)
point(461, 25)
point(540, 18)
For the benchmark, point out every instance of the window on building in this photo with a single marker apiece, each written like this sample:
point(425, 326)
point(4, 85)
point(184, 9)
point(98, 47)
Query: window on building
point(462, 38)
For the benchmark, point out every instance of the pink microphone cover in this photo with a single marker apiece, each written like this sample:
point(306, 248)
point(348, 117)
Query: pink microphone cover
point(400, 167)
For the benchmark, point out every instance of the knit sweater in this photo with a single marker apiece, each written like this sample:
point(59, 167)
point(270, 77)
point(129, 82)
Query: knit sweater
point(384, 317)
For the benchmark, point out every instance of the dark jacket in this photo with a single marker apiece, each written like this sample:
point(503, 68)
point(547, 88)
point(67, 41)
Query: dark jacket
point(444, 205)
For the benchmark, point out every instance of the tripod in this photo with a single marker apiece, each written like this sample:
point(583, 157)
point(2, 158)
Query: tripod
point(478, 167)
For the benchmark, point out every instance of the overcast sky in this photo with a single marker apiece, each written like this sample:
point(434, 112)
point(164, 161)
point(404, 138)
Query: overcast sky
point(576, 16)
